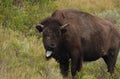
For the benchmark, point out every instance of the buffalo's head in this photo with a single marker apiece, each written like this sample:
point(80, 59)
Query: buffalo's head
point(52, 31)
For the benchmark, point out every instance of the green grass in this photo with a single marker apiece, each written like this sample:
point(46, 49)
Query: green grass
point(21, 48)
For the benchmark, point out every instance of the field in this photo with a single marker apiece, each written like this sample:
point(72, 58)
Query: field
point(21, 48)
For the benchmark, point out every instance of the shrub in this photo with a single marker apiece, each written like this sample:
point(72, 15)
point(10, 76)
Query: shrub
point(22, 15)
point(110, 15)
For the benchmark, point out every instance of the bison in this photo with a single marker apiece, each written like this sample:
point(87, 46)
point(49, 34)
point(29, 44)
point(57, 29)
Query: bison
point(79, 36)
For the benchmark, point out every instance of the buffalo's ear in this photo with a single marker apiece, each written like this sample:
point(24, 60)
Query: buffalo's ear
point(63, 28)
point(39, 27)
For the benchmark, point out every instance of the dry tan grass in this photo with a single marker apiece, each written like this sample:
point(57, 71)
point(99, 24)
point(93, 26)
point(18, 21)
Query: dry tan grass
point(87, 5)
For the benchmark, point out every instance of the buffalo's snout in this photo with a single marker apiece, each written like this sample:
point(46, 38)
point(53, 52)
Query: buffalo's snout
point(52, 45)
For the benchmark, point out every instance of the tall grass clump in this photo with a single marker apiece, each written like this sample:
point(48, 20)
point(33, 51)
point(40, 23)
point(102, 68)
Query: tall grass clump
point(19, 56)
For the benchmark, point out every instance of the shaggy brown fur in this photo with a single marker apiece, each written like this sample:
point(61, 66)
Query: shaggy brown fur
point(85, 38)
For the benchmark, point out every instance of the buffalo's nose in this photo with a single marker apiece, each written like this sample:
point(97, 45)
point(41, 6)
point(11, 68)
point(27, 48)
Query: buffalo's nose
point(52, 45)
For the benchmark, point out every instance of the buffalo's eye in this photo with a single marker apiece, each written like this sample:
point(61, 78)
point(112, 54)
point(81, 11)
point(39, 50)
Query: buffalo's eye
point(48, 37)
point(45, 34)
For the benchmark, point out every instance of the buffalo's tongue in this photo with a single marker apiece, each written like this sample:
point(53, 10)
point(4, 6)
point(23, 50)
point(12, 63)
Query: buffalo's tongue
point(48, 53)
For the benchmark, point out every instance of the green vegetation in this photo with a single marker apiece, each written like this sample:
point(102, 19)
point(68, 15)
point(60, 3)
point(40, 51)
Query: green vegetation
point(21, 49)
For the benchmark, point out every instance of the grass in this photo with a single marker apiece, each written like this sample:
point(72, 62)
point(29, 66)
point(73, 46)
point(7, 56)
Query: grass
point(87, 5)
point(21, 48)
point(22, 57)
point(19, 55)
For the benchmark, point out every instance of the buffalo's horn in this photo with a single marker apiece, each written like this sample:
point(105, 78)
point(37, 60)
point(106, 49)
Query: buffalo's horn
point(63, 26)
point(39, 27)
point(42, 26)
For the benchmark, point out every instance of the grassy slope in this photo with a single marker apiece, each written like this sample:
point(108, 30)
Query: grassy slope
point(22, 57)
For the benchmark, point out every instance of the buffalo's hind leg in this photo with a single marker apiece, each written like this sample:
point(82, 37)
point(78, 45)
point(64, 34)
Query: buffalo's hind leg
point(110, 59)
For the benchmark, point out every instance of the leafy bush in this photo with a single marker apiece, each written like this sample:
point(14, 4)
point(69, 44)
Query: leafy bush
point(25, 14)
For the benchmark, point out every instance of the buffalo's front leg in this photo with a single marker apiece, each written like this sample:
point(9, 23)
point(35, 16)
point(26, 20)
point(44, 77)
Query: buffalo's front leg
point(76, 63)
point(64, 66)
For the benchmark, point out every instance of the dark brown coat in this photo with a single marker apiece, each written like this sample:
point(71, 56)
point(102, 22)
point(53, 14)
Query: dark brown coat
point(79, 36)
